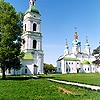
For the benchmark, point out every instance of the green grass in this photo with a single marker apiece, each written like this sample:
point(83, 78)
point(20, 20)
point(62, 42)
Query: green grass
point(24, 88)
point(93, 79)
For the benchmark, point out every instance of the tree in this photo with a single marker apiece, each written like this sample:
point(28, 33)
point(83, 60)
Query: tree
point(49, 67)
point(96, 53)
point(10, 38)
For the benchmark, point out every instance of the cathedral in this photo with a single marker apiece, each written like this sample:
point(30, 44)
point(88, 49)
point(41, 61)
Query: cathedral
point(77, 61)
point(32, 62)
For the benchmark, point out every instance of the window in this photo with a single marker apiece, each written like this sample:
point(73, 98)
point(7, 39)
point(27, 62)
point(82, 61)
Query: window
point(9, 71)
point(72, 69)
point(23, 41)
point(88, 69)
point(69, 69)
point(25, 71)
point(59, 69)
point(34, 44)
point(34, 27)
point(33, 3)
point(0, 70)
point(60, 63)
point(25, 27)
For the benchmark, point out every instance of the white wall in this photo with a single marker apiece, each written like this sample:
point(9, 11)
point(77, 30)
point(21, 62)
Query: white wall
point(73, 66)
point(29, 65)
point(86, 68)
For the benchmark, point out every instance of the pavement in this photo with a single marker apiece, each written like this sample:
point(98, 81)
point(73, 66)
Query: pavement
point(96, 88)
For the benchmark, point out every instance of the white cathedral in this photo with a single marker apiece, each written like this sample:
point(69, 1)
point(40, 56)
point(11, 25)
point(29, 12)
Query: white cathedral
point(32, 61)
point(77, 61)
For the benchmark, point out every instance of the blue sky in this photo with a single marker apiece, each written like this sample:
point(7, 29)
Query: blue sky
point(59, 19)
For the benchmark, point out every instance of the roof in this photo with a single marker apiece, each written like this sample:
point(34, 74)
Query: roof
point(91, 63)
point(32, 9)
point(28, 56)
point(85, 62)
point(71, 59)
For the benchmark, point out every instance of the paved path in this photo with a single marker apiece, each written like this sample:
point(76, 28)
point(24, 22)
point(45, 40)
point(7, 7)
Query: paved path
point(97, 88)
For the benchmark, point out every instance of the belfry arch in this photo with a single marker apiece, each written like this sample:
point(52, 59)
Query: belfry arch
point(34, 44)
point(34, 27)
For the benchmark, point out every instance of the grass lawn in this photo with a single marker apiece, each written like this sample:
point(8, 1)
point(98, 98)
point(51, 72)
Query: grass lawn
point(21, 88)
point(93, 79)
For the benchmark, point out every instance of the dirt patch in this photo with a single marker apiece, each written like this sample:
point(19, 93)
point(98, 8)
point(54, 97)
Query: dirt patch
point(65, 91)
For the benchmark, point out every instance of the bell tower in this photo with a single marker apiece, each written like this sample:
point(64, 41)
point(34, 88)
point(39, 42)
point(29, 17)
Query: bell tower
point(32, 37)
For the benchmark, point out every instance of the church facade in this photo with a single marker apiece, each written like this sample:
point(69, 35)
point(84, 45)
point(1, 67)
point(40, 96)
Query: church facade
point(77, 61)
point(32, 62)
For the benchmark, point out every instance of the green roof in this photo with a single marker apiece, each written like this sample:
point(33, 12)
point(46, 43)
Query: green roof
point(71, 59)
point(91, 63)
point(32, 9)
point(85, 62)
point(28, 56)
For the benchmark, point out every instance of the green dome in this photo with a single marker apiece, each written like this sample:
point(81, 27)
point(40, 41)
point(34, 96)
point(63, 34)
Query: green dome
point(85, 62)
point(91, 63)
point(32, 9)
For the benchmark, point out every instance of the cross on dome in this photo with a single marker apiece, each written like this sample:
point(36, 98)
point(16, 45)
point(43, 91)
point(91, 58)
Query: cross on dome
point(66, 42)
point(99, 42)
point(75, 29)
point(86, 39)
point(75, 36)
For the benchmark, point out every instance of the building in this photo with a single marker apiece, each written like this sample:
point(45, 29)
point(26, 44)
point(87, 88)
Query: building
point(77, 61)
point(31, 42)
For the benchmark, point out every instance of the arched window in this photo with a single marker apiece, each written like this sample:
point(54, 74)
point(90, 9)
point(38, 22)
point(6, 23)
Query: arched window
point(69, 69)
point(25, 27)
point(25, 71)
point(23, 41)
point(60, 63)
point(34, 44)
point(34, 27)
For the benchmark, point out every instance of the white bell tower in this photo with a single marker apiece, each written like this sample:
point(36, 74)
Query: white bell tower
point(32, 37)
